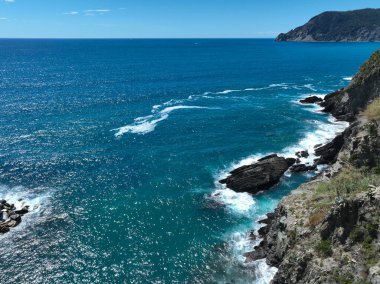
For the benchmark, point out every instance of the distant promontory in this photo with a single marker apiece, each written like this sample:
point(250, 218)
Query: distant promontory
point(350, 26)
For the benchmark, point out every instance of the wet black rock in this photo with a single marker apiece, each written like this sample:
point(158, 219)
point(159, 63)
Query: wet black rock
point(259, 176)
point(302, 154)
point(328, 153)
point(9, 216)
point(302, 168)
point(311, 100)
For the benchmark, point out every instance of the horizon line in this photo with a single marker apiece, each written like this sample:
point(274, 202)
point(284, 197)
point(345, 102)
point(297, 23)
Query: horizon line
point(135, 38)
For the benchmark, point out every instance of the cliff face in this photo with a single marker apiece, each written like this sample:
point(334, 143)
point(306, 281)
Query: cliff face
point(358, 25)
point(327, 230)
point(365, 86)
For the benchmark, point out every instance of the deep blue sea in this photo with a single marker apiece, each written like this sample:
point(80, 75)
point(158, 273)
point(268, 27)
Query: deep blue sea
point(118, 146)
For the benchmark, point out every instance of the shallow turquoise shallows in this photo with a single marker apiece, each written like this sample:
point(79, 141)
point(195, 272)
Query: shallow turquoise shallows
point(118, 146)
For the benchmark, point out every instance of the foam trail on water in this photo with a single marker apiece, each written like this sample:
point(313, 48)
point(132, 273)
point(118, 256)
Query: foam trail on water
point(310, 86)
point(347, 78)
point(228, 91)
point(146, 124)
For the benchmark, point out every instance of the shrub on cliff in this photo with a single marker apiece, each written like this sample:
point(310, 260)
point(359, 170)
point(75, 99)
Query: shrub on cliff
point(373, 110)
point(324, 248)
point(348, 181)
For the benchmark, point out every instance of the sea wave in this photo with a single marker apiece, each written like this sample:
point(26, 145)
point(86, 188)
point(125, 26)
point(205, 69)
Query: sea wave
point(347, 78)
point(146, 124)
point(160, 112)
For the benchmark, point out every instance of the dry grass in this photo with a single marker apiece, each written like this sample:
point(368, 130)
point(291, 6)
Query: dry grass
point(373, 110)
point(317, 218)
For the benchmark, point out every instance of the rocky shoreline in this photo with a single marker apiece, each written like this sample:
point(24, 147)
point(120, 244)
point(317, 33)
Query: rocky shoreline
point(10, 216)
point(333, 236)
point(349, 26)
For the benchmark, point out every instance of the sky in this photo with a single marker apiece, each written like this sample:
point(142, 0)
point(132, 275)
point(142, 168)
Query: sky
point(162, 18)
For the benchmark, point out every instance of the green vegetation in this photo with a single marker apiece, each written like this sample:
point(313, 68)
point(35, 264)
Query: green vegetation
point(293, 236)
point(370, 66)
point(357, 234)
point(372, 126)
point(347, 182)
point(370, 253)
point(324, 248)
point(343, 279)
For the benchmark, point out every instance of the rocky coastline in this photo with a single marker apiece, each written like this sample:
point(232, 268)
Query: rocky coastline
point(10, 216)
point(349, 26)
point(327, 230)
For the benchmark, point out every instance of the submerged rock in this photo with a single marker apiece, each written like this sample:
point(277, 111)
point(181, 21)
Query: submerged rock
point(261, 175)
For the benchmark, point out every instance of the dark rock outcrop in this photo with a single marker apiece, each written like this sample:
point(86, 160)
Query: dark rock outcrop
point(9, 216)
point(346, 103)
point(302, 168)
point(302, 154)
point(328, 153)
point(311, 100)
point(357, 25)
point(259, 176)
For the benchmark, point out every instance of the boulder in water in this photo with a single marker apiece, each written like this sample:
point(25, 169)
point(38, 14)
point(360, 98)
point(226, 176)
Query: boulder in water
point(258, 176)
point(311, 100)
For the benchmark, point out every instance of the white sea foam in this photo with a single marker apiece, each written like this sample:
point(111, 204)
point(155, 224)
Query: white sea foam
point(242, 203)
point(37, 200)
point(263, 272)
point(323, 134)
point(228, 91)
point(347, 78)
point(310, 86)
point(146, 124)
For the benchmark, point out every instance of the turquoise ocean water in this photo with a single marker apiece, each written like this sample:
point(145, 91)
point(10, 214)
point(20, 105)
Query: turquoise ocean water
point(118, 146)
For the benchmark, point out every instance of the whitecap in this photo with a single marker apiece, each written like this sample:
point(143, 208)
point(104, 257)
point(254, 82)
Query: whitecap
point(146, 124)
point(238, 203)
point(310, 87)
point(228, 91)
point(347, 78)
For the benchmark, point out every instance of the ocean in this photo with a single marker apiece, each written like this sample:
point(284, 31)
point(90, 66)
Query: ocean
point(118, 146)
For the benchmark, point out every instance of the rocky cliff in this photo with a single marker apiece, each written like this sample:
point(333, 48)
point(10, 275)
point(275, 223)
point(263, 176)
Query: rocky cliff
point(358, 25)
point(327, 230)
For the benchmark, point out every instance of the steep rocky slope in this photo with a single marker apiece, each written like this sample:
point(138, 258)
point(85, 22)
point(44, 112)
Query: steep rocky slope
point(358, 25)
point(327, 230)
